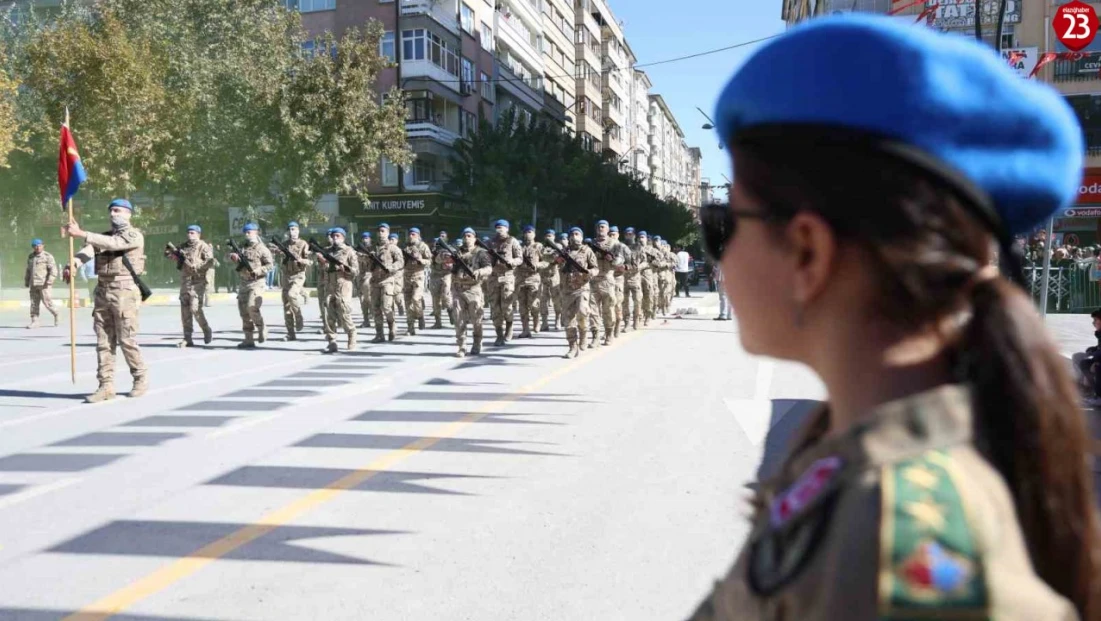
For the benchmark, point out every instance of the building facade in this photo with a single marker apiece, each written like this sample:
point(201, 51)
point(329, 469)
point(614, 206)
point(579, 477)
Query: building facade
point(638, 127)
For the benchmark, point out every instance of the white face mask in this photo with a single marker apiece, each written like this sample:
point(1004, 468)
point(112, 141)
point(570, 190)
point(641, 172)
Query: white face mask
point(119, 222)
point(293, 233)
point(251, 236)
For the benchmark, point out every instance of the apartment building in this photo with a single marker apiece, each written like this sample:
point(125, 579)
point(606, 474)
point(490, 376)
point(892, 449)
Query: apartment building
point(693, 163)
point(667, 150)
point(1027, 35)
point(520, 43)
point(559, 50)
point(638, 127)
point(615, 83)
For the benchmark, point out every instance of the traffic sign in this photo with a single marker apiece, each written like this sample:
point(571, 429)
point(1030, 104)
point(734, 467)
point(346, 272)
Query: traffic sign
point(1075, 25)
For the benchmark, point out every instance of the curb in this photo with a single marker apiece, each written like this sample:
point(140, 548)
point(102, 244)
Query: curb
point(154, 300)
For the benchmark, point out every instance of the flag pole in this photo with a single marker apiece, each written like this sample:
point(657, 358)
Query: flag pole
point(72, 287)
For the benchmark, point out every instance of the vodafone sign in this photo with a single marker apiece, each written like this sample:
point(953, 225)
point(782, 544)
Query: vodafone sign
point(1089, 193)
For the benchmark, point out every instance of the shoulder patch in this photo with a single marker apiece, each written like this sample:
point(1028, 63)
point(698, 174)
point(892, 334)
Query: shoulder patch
point(929, 563)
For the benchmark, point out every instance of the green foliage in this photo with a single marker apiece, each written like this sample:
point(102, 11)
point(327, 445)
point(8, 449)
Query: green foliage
point(8, 129)
point(507, 168)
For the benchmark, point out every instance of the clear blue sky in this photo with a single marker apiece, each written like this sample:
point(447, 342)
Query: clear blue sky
point(657, 30)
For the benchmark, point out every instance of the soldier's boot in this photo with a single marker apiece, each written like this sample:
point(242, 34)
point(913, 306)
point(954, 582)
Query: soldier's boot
point(390, 325)
point(535, 323)
point(330, 348)
point(291, 336)
point(608, 338)
point(379, 337)
point(573, 351)
point(581, 334)
point(186, 342)
point(420, 322)
point(208, 335)
point(436, 325)
point(401, 311)
point(263, 333)
point(477, 348)
point(508, 330)
point(141, 386)
point(412, 323)
point(543, 327)
point(352, 341)
point(248, 343)
point(461, 353)
point(500, 340)
point(33, 324)
point(57, 319)
point(595, 340)
point(451, 316)
point(105, 392)
point(298, 321)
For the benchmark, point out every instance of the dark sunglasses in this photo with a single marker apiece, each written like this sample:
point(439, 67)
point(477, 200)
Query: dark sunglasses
point(718, 223)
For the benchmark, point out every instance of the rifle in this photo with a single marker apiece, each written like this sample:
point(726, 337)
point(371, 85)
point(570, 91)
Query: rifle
point(334, 263)
point(283, 249)
point(171, 249)
point(370, 255)
point(570, 262)
point(607, 254)
point(242, 263)
point(451, 250)
point(497, 258)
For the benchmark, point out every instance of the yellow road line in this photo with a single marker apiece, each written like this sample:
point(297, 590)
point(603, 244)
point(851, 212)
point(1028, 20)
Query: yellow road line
point(175, 571)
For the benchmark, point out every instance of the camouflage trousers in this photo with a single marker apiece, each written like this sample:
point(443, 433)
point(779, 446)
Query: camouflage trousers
point(502, 292)
point(399, 299)
point(294, 296)
point(596, 323)
point(338, 302)
point(41, 295)
point(649, 294)
point(321, 298)
point(469, 305)
point(605, 300)
point(661, 302)
point(249, 301)
point(575, 311)
point(620, 288)
point(550, 295)
point(382, 302)
point(365, 299)
point(115, 321)
point(632, 300)
point(192, 296)
point(439, 285)
point(413, 293)
point(527, 295)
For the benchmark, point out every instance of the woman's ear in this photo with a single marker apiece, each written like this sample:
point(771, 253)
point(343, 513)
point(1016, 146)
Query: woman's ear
point(812, 246)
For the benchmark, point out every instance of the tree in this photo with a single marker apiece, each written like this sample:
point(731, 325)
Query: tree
point(8, 91)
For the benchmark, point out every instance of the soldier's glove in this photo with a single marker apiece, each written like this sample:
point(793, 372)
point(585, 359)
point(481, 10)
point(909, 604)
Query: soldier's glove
point(66, 275)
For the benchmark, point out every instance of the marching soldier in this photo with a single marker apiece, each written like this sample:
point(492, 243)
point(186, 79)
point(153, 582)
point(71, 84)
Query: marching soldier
point(321, 297)
point(595, 318)
point(417, 257)
point(632, 286)
point(649, 277)
point(528, 282)
point(253, 266)
point(575, 291)
point(485, 283)
point(119, 257)
point(293, 280)
point(40, 276)
point(363, 251)
point(439, 284)
point(502, 284)
point(609, 260)
point(469, 301)
point(384, 283)
point(620, 280)
point(670, 275)
point(661, 289)
point(549, 294)
point(399, 296)
point(193, 259)
point(340, 277)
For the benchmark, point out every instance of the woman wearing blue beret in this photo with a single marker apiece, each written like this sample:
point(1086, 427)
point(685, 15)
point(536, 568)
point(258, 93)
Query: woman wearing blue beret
point(874, 191)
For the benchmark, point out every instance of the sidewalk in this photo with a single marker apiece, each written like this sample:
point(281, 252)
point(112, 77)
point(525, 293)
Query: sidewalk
point(13, 299)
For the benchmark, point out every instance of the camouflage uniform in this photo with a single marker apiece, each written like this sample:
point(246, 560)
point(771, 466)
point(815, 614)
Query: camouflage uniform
point(899, 518)
point(669, 277)
point(364, 283)
point(293, 283)
point(550, 291)
point(632, 287)
point(654, 262)
point(502, 285)
point(384, 288)
point(620, 288)
point(606, 296)
point(528, 284)
point(338, 295)
point(116, 305)
point(198, 257)
point(40, 276)
point(439, 285)
point(575, 296)
point(417, 256)
point(469, 297)
point(250, 291)
point(321, 297)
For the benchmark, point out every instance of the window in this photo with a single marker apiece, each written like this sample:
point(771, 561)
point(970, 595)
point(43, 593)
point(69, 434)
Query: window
point(386, 46)
point(487, 37)
point(424, 172)
point(466, 18)
point(467, 76)
point(309, 6)
point(470, 123)
point(307, 49)
point(389, 173)
point(419, 44)
point(1088, 110)
point(487, 86)
point(418, 110)
point(412, 44)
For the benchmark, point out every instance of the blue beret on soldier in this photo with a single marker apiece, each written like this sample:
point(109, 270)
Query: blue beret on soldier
point(468, 230)
point(528, 227)
point(945, 103)
point(614, 229)
point(602, 222)
point(575, 228)
point(629, 229)
point(365, 235)
point(643, 234)
point(251, 226)
point(121, 202)
point(498, 223)
point(415, 230)
point(195, 227)
point(393, 236)
point(338, 231)
point(384, 226)
point(36, 242)
point(292, 225)
point(549, 232)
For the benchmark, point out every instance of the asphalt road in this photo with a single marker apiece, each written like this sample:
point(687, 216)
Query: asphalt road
point(395, 482)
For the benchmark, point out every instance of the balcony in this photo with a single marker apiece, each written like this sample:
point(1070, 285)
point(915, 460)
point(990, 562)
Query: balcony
point(519, 39)
point(432, 71)
point(525, 10)
point(430, 131)
point(529, 91)
point(443, 11)
point(1082, 70)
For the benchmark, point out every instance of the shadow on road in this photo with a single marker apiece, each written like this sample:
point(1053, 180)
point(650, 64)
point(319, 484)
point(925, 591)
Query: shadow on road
point(37, 394)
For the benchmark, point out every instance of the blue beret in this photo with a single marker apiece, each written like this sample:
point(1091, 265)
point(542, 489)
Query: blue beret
point(528, 227)
point(121, 202)
point(251, 226)
point(415, 230)
point(468, 230)
point(292, 225)
point(929, 96)
point(330, 231)
point(393, 235)
point(549, 232)
point(604, 222)
point(498, 223)
point(384, 226)
point(365, 234)
point(575, 228)
point(614, 229)
point(563, 235)
point(643, 234)
point(195, 227)
point(629, 229)
point(485, 238)
point(657, 237)
point(339, 230)
point(588, 239)
point(36, 242)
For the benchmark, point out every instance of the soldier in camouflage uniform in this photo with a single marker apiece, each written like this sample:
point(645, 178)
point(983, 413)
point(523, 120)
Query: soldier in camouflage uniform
point(40, 276)
point(363, 252)
point(119, 256)
point(653, 262)
point(575, 291)
point(399, 298)
point(417, 257)
point(469, 297)
point(596, 324)
point(632, 285)
point(193, 259)
point(502, 283)
point(252, 268)
point(384, 283)
point(528, 282)
point(439, 285)
point(340, 277)
point(661, 284)
point(670, 275)
point(550, 283)
point(605, 299)
point(620, 280)
point(293, 280)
